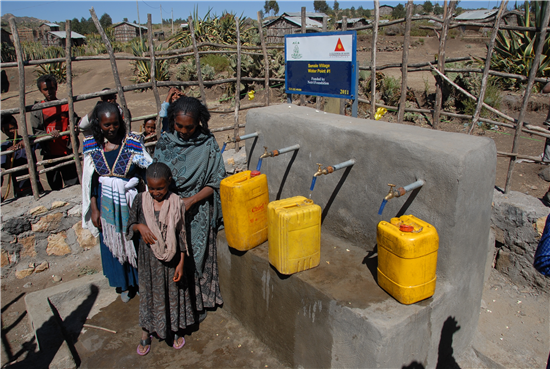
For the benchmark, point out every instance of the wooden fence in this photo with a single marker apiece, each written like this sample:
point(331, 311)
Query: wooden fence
point(441, 30)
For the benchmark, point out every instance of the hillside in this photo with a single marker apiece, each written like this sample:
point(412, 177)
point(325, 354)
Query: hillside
point(23, 21)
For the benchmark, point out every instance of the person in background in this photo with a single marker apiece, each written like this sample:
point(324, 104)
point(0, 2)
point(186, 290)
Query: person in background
point(16, 159)
point(52, 121)
point(174, 94)
point(113, 164)
point(149, 131)
point(193, 155)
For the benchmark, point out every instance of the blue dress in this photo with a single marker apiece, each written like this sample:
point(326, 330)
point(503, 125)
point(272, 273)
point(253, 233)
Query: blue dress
point(119, 275)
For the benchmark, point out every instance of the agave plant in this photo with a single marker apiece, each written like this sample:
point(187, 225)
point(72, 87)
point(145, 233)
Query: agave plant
point(58, 69)
point(143, 68)
point(514, 51)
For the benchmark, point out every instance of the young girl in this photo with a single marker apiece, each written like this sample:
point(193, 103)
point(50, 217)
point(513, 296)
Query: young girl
point(165, 307)
point(149, 130)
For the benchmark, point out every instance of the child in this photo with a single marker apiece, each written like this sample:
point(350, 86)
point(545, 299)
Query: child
point(165, 306)
point(173, 94)
point(85, 125)
point(149, 130)
point(53, 121)
point(16, 159)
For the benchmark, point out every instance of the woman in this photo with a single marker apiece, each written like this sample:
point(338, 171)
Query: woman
point(112, 162)
point(193, 155)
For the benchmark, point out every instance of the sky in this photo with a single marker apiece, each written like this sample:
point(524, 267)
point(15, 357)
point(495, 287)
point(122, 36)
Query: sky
point(59, 11)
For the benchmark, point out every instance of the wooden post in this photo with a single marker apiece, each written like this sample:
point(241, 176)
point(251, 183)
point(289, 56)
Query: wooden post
point(526, 96)
point(373, 58)
point(343, 101)
point(198, 60)
point(485, 77)
point(266, 58)
point(406, 43)
point(320, 99)
point(116, 77)
point(447, 14)
point(238, 87)
point(23, 121)
point(153, 73)
point(304, 20)
point(72, 123)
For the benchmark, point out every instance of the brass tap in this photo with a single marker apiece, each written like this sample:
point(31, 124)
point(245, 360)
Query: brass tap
point(320, 171)
point(266, 154)
point(391, 193)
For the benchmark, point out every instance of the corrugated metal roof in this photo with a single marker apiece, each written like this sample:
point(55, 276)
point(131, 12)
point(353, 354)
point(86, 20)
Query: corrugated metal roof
point(51, 24)
point(476, 14)
point(309, 22)
point(308, 14)
point(129, 23)
point(354, 20)
point(63, 34)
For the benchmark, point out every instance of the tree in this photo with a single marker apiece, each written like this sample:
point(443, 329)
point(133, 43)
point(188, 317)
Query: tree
point(336, 6)
point(398, 12)
point(352, 11)
point(105, 21)
point(125, 19)
point(321, 6)
point(428, 7)
point(438, 10)
point(271, 6)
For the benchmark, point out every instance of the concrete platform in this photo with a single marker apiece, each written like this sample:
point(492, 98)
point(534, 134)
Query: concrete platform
point(334, 315)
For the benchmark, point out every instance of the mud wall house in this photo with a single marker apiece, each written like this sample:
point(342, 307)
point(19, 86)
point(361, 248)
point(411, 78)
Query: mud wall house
point(353, 23)
point(26, 34)
point(58, 38)
point(476, 16)
point(6, 37)
point(276, 29)
point(385, 10)
point(126, 31)
point(45, 28)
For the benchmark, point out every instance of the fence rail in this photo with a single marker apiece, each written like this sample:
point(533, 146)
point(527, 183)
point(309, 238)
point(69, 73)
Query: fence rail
point(196, 50)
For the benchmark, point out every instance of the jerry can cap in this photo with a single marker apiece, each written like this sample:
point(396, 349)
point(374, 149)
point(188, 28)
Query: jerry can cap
point(255, 173)
point(406, 228)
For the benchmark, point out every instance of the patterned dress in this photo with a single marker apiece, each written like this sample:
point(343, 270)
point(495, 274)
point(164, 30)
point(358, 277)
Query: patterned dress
point(165, 306)
point(195, 164)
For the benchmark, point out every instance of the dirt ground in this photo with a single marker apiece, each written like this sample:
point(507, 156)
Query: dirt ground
point(522, 331)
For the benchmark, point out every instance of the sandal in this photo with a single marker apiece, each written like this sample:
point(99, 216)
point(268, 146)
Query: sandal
point(175, 345)
point(144, 343)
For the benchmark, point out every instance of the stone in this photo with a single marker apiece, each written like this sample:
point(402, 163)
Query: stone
point(234, 161)
point(545, 174)
point(57, 245)
point(47, 223)
point(58, 204)
point(56, 278)
point(4, 258)
point(28, 249)
point(16, 225)
point(541, 222)
point(23, 273)
point(27, 285)
point(84, 237)
point(75, 211)
point(42, 267)
point(6, 237)
point(38, 210)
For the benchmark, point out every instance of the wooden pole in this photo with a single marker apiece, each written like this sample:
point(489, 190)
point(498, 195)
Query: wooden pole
point(304, 20)
point(447, 14)
point(320, 99)
point(114, 68)
point(237, 87)
point(530, 82)
point(406, 43)
point(485, 76)
point(373, 58)
point(198, 60)
point(72, 123)
point(266, 58)
point(153, 72)
point(139, 24)
point(23, 120)
point(343, 101)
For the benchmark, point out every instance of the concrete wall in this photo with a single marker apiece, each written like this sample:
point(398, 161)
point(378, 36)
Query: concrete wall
point(459, 172)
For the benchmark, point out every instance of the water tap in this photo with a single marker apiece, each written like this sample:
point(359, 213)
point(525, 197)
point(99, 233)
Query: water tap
point(321, 171)
point(266, 154)
point(391, 193)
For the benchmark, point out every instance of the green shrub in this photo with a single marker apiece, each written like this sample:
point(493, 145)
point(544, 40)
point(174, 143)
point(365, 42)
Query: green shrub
point(219, 62)
point(58, 69)
point(142, 68)
point(8, 53)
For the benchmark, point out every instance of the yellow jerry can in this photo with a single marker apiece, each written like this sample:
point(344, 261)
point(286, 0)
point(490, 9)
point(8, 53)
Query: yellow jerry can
point(294, 234)
point(407, 258)
point(244, 198)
